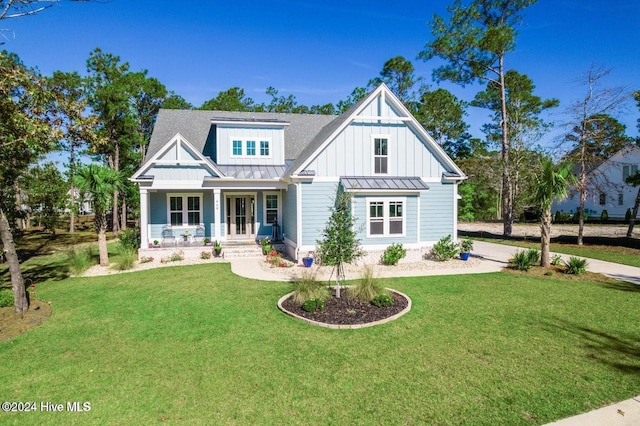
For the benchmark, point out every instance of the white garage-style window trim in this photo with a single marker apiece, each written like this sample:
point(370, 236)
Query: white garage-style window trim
point(184, 209)
point(386, 217)
point(272, 206)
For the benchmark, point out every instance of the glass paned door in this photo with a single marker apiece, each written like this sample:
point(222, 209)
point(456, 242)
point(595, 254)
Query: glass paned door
point(240, 216)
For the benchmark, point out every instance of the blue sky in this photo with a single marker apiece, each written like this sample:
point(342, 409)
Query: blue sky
point(320, 51)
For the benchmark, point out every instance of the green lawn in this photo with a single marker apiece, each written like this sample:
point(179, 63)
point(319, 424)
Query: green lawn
point(199, 345)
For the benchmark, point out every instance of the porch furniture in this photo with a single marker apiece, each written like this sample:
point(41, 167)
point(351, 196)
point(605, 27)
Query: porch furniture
point(198, 238)
point(168, 236)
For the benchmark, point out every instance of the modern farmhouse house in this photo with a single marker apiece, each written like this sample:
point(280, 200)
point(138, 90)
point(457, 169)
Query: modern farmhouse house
point(245, 175)
point(606, 186)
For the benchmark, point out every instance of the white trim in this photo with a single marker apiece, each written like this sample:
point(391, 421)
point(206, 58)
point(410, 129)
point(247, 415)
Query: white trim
point(249, 123)
point(256, 224)
point(385, 216)
point(264, 207)
point(372, 141)
point(185, 208)
point(144, 217)
point(455, 211)
point(419, 221)
point(216, 213)
point(298, 213)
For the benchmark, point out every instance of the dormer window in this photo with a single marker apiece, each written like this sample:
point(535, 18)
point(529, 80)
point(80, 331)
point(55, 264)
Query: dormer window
point(250, 147)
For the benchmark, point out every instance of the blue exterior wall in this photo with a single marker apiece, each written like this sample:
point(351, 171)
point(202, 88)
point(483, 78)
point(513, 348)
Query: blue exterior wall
point(437, 205)
point(290, 213)
point(410, 220)
point(316, 199)
point(226, 134)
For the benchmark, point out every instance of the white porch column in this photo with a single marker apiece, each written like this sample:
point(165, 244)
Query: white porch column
point(144, 218)
point(216, 213)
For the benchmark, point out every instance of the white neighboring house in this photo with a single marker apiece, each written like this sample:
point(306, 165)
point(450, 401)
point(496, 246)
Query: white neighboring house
point(82, 200)
point(607, 189)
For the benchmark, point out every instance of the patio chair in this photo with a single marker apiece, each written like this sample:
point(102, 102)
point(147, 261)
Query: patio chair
point(168, 236)
point(198, 238)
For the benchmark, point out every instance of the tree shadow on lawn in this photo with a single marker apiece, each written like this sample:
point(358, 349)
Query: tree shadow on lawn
point(621, 352)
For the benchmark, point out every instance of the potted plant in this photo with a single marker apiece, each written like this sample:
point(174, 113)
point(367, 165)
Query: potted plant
point(207, 242)
point(155, 244)
point(307, 261)
point(217, 248)
point(466, 245)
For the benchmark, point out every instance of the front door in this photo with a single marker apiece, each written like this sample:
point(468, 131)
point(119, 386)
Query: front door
point(241, 216)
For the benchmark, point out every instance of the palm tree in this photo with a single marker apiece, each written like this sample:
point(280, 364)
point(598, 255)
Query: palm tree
point(100, 182)
point(553, 182)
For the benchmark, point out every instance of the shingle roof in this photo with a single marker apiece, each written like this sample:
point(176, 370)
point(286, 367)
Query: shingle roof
point(195, 126)
point(392, 183)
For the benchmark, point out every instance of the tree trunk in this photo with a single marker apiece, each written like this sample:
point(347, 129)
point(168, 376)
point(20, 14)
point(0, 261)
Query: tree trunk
point(116, 166)
point(72, 209)
point(545, 238)
point(21, 303)
point(123, 214)
point(583, 199)
point(19, 220)
point(634, 215)
point(507, 205)
point(101, 228)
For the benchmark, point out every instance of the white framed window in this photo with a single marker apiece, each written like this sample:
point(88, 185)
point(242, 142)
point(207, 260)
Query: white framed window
point(386, 217)
point(629, 170)
point(620, 199)
point(250, 147)
point(380, 154)
point(271, 208)
point(184, 209)
point(603, 199)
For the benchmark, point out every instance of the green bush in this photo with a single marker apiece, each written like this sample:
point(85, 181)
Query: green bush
point(129, 239)
point(307, 287)
point(6, 298)
point(313, 305)
point(627, 215)
point(393, 254)
point(80, 259)
point(444, 249)
point(604, 216)
point(367, 287)
point(576, 217)
point(576, 266)
point(382, 301)
point(126, 258)
point(466, 245)
point(561, 216)
point(523, 260)
point(556, 259)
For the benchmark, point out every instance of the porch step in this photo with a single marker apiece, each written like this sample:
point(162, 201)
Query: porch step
point(241, 250)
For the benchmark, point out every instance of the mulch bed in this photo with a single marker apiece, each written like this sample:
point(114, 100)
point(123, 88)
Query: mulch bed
point(347, 311)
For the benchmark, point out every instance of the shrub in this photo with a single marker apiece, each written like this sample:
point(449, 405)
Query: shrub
point(175, 257)
point(627, 215)
point(393, 254)
point(576, 266)
point(367, 287)
point(80, 259)
point(444, 249)
point(561, 216)
point(556, 259)
point(146, 259)
point(466, 245)
point(523, 260)
point(307, 287)
point(6, 298)
point(576, 217)
point(129, 238)
point(205, 255)
point(126, 258)
point(313, 305)
point(382, 301)
point(604, 216)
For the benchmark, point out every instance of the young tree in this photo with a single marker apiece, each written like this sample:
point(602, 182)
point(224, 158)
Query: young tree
point(587, 118)
point(101, 182)
point(25, 134)
point(474, 43)
point(46, 194)
point(340, 243)
point(552, 183)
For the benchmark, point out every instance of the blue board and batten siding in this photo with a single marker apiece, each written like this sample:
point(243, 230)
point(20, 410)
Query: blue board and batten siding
point(227, 134)
point(290, 213)
point(317, 197)
point(437, 207)
point(351, 153)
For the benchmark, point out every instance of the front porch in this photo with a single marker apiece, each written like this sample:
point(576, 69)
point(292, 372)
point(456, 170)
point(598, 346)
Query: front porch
point(194, 250)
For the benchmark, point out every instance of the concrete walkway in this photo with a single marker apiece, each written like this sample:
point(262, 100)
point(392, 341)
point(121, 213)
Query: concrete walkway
point(493, 258)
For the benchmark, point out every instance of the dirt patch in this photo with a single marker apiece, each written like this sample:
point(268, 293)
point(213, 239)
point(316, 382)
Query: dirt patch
point(12, 324)
point(526, 230)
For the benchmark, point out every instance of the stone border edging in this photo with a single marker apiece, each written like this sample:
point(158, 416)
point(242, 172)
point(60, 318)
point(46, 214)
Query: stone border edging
point(347, 326)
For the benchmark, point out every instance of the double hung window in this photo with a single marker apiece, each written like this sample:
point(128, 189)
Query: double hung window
point(385, 217)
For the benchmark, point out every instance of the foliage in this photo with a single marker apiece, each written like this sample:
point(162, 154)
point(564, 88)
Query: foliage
point(46, 194)
point(275, 259)
point(313, 305)
point(6, 298)
point(393, 254)
point(466, 245)
point(561, 216)
point(398, 74)
point(604, 216)
point(556, 259)
point(146, 259)
point(367, 287)
point(206, 241)
point(382, 301)
point(523, 260)
point(176, 256)
point(339, 243)
point(308, 287)
point(217, 245)
point(80, 259)
point(576, 265)
point(205, 255)
point(129, 238)
point(627, 215)
point(233, 99)
point(126, 258)
point(445, 249)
